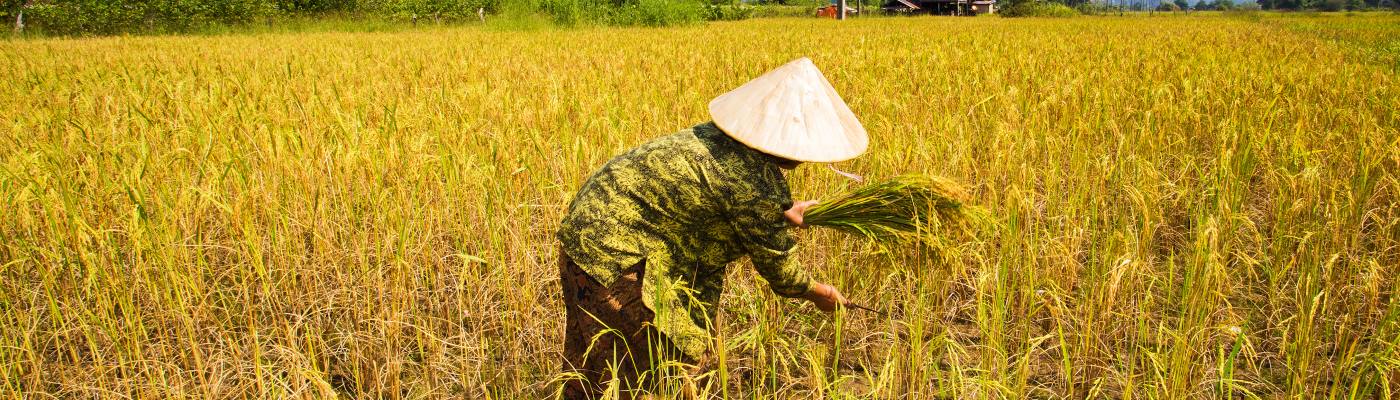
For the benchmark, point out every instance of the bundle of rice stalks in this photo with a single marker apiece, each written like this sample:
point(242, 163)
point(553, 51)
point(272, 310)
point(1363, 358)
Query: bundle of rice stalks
point(917, 208)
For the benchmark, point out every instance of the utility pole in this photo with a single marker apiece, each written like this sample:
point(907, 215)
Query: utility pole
point(19, 17)
point(841, 9)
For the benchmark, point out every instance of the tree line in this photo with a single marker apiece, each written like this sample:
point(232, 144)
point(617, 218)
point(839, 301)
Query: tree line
point(101, 17)
point(1098, 6)
point(78, 17)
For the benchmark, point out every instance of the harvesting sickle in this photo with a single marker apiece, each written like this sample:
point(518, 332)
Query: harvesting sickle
point(864, 308)
point(647, 238)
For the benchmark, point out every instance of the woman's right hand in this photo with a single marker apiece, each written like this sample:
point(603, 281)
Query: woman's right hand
point(825, 297)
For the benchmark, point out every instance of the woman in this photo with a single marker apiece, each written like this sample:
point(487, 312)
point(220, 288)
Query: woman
point(647, 239)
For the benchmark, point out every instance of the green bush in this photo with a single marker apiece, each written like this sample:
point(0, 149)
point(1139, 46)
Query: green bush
point(728, 12)
point(437, 11)
point(1038, 9)
point(779, 10)
point(566, 12)
point(315, 6)
point(660, 13)
point(1094, 8)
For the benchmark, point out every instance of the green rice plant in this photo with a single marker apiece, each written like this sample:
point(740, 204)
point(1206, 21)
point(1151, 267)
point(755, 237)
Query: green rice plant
point(906, 208)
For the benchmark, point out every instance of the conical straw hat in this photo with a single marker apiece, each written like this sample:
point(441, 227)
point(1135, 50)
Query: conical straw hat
point(791, 112)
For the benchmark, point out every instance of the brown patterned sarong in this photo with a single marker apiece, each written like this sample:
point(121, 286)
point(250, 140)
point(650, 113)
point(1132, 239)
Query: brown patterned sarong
point(609, 334)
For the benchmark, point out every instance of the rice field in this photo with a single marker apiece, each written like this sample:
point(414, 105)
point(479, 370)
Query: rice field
point(1202, 207)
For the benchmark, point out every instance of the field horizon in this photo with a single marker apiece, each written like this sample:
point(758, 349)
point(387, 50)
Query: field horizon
point(1192, 207)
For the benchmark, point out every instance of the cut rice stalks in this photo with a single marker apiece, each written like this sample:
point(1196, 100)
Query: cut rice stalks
point(909, 208)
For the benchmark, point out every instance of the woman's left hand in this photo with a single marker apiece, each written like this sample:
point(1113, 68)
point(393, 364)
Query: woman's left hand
point(799, 209)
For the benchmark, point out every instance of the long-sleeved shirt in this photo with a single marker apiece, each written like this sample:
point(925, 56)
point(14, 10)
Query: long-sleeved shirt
point(688, 204)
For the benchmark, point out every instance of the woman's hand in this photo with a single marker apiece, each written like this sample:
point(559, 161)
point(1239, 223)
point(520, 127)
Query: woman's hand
point(799, 209)
point(825, 296)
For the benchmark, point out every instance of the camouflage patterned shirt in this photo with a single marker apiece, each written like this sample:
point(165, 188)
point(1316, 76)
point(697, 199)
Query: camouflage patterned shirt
point(688, 204)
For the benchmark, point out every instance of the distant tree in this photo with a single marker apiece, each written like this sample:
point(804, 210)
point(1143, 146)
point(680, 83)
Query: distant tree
point(1355, 4)
point(1225, 5)
point(1201, 5)
point(1331, 5)
point(1182, 5)
point(1168, 7)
